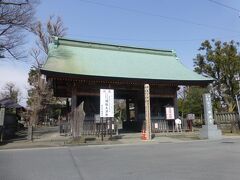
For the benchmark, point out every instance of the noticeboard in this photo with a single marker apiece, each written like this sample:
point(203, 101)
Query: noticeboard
point(106, 103)
point(190, 116)
point(170, 113)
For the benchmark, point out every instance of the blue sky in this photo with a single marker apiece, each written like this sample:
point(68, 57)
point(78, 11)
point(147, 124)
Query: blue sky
point(163, 24)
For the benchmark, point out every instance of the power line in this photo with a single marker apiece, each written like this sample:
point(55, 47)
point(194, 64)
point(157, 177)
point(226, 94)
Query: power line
point(157, 15)
point(224, 5)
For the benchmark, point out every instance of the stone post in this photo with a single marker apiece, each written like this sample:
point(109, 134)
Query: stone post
point(209, 130)
point(147, 111)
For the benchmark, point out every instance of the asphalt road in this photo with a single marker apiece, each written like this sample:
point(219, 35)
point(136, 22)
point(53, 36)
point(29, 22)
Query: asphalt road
point(205, 160)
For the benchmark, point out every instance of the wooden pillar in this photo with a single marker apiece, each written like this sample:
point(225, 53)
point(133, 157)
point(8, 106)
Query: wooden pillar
point(136, 108)
point(127, 110)
point(175, 104)
point(73, 110)
point(74, 99)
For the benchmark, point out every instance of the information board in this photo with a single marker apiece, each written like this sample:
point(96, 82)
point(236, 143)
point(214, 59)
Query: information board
point(190, 116)
point(170, 113)
point(106, 103)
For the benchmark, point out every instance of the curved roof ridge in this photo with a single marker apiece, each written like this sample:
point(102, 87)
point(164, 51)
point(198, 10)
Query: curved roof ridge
point(116, 47)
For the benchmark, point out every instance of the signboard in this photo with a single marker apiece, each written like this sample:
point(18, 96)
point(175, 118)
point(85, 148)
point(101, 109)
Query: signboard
point(106, 103)
point(170, 113)
point(190, 116)
point(2, 113)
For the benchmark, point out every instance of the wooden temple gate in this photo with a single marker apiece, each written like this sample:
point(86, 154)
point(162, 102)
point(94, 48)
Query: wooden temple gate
point(79, 69)
point(133, 94)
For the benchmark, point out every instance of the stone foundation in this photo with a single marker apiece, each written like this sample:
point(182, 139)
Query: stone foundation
point(210, 132)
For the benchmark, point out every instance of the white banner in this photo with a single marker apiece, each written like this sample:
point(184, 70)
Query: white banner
point(170, 113)
point(106, 103)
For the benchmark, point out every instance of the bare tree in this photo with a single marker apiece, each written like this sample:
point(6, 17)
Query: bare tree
point(40, 95)
point(11, 91)
point(16, 18)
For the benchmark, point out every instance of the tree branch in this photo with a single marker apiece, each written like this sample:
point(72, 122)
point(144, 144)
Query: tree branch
point(5, 30)
point(8, 50)
point(15, 4)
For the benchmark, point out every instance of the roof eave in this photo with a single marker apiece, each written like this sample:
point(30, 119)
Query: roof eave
point(53, 74)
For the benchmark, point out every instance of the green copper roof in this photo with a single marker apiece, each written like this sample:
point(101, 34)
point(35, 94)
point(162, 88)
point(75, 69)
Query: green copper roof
point(95, 59)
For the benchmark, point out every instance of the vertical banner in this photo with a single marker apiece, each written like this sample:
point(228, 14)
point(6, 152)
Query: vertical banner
point(147, 111)
point(106, 103)
point(170, 113)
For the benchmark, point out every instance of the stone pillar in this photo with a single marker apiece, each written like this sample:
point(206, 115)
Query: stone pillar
point(209, 130)
point(148, 112)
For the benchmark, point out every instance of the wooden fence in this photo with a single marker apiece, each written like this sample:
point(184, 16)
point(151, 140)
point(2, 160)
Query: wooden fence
point(227, 122)
point(163, 125)
point(81, 125)
point(159, 126)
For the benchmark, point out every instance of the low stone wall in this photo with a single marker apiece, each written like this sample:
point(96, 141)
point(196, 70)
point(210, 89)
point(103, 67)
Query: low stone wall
point(227, 122)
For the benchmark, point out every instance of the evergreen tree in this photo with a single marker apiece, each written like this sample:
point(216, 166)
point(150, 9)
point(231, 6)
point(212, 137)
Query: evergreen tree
point(220, 61)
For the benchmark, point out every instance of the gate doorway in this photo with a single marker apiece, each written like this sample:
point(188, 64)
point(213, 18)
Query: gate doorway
point(125, 114)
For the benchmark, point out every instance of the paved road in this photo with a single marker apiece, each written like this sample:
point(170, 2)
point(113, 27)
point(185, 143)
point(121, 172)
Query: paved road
point(205, 160)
